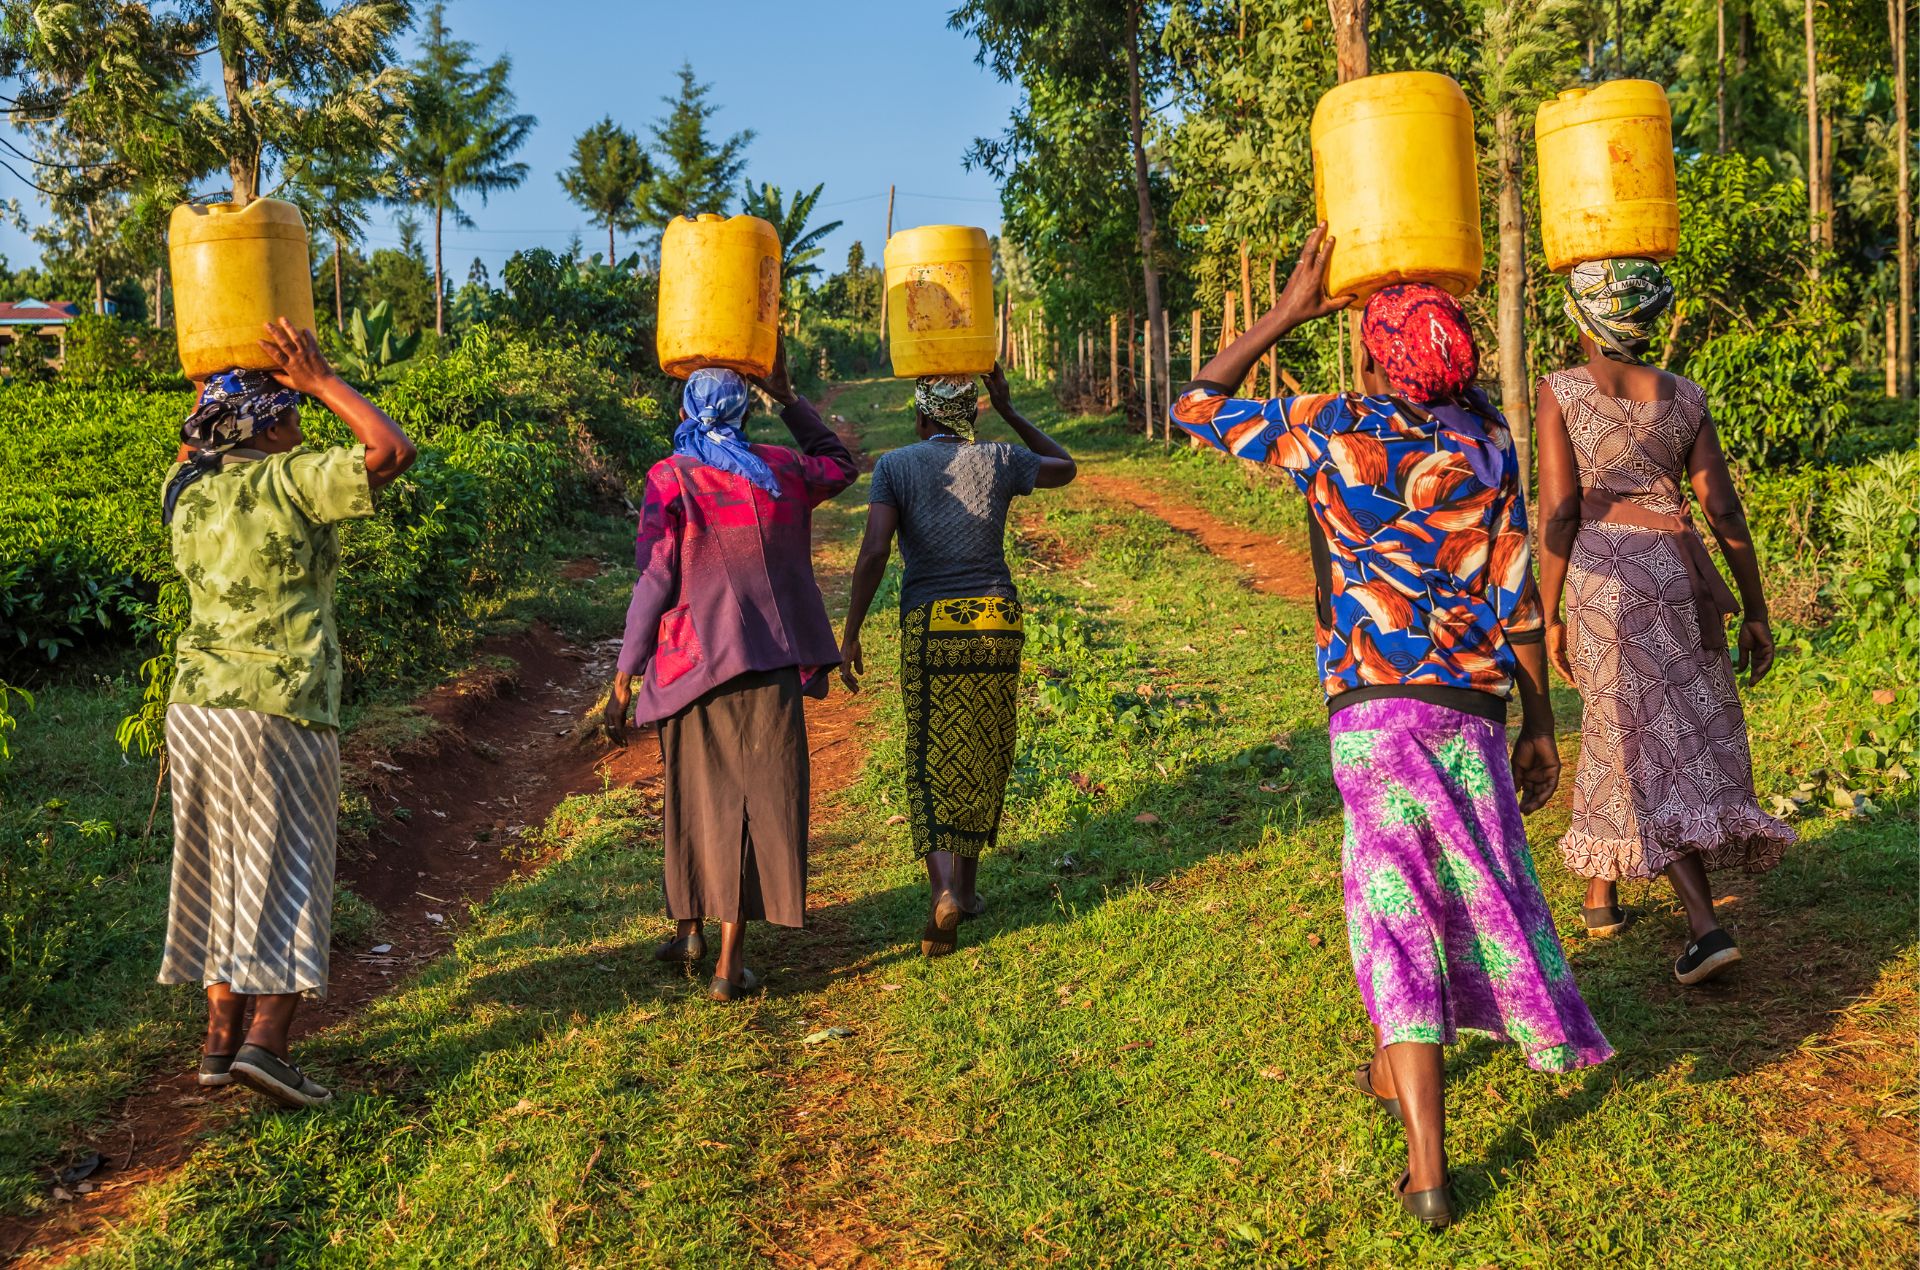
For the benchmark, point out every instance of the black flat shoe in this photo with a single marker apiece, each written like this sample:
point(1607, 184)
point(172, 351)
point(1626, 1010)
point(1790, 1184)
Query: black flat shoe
point(688, 950)
point(1363, 1081)
point(941, 935)
point(215, 1070)
point(1706, 957)
point(1604, 923)
point(1434, 1207)
point(733, 989)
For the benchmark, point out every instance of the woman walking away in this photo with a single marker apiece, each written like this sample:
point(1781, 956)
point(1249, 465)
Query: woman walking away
point(727, 632)
point(253, 746)
point(1428, 619)
point(960, 624)
point(1665, 781)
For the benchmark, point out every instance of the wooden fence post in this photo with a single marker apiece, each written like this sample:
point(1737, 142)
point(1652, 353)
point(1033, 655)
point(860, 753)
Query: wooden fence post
point(1196, 345)
point(1147, 417)
point(883, 275)
point(1249, 384)
point(1226, 322)
point(1273, 354)
point(1113, 360)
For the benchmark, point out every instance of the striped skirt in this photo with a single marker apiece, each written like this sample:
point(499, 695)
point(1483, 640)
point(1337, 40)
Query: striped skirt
point(960, 682)
point(256, 802)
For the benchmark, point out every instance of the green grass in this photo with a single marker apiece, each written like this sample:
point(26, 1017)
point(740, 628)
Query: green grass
point(1137, 1055)
point(84, 889)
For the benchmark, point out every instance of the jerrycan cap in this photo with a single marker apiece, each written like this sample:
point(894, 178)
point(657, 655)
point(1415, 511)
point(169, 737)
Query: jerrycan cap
point(1571, 94)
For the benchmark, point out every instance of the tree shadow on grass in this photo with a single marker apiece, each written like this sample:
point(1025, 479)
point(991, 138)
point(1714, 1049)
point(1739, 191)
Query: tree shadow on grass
point(1817, 935)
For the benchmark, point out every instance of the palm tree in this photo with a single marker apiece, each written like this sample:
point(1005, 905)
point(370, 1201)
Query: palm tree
point(334, 191)
point(608, 178)
point(463, 132)
point(799, 246)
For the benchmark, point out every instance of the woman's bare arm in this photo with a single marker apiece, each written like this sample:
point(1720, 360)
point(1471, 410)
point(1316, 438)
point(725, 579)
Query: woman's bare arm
point(868, 570)
point(301, 366)
point(1719, 501)
point(1559, 517)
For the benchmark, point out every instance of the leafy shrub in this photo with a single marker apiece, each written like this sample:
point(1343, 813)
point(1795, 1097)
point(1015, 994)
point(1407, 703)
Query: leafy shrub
point(104, 351)
point(603, 309)
point(1876, 519)
point(25, 360)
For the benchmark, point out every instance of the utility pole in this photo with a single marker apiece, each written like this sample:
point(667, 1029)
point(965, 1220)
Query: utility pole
point(883, 273)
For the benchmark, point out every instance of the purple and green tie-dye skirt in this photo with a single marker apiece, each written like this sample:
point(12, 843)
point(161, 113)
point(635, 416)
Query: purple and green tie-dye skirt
point(1445, 919)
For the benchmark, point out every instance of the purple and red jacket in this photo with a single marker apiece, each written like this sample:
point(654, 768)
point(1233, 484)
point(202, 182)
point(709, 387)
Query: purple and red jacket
point(726, 572)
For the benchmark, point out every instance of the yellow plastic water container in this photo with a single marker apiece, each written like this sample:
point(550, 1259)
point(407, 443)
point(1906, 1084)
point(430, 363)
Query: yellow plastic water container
point(1606, 174)
point(234, 270)
point(719, 295)
point(940, 314)
point(1394, 178)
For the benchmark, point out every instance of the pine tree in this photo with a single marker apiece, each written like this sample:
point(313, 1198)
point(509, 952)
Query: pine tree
point(463, 130)
point(609, 177)
point(693, 174)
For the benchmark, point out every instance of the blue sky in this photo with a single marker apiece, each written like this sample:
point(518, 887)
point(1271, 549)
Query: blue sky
point(855, 93)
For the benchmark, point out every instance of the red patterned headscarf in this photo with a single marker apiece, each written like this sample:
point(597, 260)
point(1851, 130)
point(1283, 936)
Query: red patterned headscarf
point(1419, 338)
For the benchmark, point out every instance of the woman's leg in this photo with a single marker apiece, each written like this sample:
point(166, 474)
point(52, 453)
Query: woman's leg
point(226, 1020)
point(733, 939)
point(1689, 878)
point(1415, 1073)
point(272, 1018)
point(966, 877)
point(1601, 893)
point(941, 875)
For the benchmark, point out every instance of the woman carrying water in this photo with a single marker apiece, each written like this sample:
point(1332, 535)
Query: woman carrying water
point(1428, 621)
point(960, 624)
point(253, 746)
point(1664, 784)
point(727, 633)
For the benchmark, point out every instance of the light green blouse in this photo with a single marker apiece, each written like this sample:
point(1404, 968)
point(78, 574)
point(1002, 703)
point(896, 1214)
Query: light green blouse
point(254, 542)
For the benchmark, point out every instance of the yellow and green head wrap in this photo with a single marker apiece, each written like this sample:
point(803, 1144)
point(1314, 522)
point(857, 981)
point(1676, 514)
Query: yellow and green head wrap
point(1616, 302)
point(950, 402)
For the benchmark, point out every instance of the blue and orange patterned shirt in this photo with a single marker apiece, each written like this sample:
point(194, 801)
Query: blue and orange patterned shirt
point(1420, 538)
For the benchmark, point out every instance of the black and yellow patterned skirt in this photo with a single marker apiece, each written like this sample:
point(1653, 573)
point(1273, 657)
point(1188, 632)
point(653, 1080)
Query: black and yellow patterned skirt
point(960, 677)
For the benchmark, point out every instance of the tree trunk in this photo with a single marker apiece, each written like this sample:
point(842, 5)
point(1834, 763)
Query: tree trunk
point(1351, 61)
point(1720, 71)
point(1511, 322)
point(609, 244)
point(1812, 169)
point(244, 163)
point(1113, 360)
point(1892, 322)
point(439, 284)
point(1142, 193)
point(1349, 38)
point(160, 297)
point(1826, 179)
point(1903, 201)
point(339, 303)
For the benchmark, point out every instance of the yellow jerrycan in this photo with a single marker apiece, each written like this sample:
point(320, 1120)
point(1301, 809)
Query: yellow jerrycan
point(234, 270)
point(1394, 178)
point(719, 295)
point(940, 313)
point(1606, 174)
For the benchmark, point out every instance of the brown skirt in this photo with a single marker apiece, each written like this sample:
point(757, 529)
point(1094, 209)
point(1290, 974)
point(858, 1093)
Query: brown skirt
point(736, 802)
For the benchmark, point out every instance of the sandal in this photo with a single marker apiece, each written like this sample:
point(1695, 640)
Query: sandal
point(942, 933)
point(745, 985)
point(1363, 1081)
point(687, 950)
point(1608, 921)
point(1434, 1207)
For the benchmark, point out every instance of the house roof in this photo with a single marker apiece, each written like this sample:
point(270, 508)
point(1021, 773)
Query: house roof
point(37, 312)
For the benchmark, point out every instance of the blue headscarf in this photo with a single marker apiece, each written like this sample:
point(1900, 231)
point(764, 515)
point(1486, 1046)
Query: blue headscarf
point(715, 403)
point(234, 407)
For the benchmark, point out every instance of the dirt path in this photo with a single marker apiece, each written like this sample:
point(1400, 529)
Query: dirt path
point(1271, 565)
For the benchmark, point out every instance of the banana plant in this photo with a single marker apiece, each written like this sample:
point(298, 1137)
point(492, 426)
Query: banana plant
point(372, 347)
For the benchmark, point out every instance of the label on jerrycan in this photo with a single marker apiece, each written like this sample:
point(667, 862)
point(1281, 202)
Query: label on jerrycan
point(939, 297)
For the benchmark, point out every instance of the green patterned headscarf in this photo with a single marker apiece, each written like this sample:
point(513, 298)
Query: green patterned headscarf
point(1616, 302)
point(951, 402)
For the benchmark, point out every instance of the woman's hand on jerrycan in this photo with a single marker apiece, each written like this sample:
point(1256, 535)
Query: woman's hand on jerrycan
point(1305, 297)
point(298, 362)
point(777, 384)
point(999, 395)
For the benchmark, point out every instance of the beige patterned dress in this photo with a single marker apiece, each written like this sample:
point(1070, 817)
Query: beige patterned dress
point(1664, 767)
